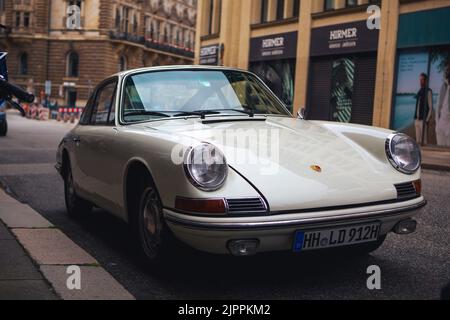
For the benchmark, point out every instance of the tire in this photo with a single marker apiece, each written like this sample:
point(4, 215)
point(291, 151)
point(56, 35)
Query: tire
point(152, 236)
point(3, 129)
point(76, 206)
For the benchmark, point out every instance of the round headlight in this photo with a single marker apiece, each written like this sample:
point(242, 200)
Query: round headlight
point(206, 167)
point(403, 153)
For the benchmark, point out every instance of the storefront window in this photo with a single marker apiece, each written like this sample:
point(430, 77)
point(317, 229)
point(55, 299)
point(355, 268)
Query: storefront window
point(279, 76)
point(273, 59)
point(422, 102)
point(342, 78)
point(421, 74)
point(410, 66)
point(440, 84)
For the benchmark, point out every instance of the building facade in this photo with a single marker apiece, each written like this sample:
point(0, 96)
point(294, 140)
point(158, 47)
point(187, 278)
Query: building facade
point(69, 46)
point(356, 61)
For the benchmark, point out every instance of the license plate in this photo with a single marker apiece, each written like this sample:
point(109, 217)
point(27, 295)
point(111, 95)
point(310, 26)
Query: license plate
point(339, 237)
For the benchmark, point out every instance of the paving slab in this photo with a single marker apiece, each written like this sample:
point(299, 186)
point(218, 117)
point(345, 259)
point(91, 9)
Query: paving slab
point(5, 198)
point(96, 284)
point(26, 290)
point(52, 247)
point(15, 263)
point(18, 215)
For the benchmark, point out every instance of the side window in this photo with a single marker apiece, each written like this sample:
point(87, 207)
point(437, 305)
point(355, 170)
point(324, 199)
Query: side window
point(86, 115)
point(112, 113)
point(102, 104)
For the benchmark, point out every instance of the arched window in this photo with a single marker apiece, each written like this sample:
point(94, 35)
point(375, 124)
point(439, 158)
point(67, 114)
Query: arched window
point(23, 64)
point(122, 63)
point(72, 64)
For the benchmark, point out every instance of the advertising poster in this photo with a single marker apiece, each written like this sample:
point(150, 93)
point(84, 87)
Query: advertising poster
point(439, 83)
point(411, 64)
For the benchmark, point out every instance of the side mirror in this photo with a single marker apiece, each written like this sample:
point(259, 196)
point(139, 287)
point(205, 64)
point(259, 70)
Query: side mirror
point(301, 113)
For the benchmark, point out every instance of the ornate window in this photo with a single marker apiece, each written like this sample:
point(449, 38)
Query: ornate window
point(73, 63)
point(23, 64)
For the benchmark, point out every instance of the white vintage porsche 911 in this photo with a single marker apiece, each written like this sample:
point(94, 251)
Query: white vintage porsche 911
point(211, 157)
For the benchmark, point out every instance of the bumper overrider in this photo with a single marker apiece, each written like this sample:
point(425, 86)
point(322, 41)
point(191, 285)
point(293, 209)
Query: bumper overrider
point(276, 232)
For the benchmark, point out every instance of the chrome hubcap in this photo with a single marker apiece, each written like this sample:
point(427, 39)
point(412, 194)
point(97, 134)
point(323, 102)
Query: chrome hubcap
point(149, 219)
point(151, 222)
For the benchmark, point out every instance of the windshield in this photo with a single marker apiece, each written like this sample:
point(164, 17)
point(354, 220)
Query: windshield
point(164, 94)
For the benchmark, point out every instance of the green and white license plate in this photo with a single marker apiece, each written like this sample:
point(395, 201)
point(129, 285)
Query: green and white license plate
point(338, 237)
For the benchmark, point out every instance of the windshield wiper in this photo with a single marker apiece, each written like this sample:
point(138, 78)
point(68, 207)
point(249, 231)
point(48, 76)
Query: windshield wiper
point(247, 112)
point(201, 113)
point(147, 113)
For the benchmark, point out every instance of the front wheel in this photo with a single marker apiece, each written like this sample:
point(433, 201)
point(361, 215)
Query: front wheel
point(150, 230)
point(3, 129)
point(76, 206)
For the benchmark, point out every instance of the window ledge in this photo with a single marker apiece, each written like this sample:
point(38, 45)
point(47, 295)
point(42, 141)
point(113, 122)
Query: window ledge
point(336, 12)
point(274, 23)
point(210, 37)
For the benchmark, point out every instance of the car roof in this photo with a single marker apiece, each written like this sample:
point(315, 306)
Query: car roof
point(176, 67)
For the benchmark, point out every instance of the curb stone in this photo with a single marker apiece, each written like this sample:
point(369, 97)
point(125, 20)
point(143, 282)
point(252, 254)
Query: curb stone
point(53, 252)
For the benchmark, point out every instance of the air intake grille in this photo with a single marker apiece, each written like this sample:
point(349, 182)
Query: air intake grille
point(246, 206)
point(406, 190)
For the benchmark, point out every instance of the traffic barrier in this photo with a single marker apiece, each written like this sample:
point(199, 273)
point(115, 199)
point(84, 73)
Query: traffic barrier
point(43, 113)
point(69, 114)
point(33, 112)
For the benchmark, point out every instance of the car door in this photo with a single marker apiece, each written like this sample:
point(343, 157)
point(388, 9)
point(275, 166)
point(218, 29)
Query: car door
point(93, 145)
point(79, 151)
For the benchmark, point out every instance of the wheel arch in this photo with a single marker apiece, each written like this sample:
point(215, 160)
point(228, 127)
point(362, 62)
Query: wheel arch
point(135, 167)
point(65, 162)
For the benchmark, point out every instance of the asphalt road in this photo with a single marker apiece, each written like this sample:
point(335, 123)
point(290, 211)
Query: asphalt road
point(412, 267)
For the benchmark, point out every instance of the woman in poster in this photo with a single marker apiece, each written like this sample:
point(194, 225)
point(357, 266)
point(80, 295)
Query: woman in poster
point(443, 112)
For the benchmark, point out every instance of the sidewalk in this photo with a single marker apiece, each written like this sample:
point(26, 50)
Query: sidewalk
point(35, 258)
point(19, 277)
point(436, 159)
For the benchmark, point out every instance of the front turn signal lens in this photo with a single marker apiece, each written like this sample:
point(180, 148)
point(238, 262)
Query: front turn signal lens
point(202, 206)
point(418, 186)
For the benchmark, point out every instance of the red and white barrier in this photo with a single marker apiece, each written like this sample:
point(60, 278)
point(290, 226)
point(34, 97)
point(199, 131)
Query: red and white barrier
point(69, 114)
point(44, 113)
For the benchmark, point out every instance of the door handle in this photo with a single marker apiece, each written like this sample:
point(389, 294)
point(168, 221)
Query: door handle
point(76, 139)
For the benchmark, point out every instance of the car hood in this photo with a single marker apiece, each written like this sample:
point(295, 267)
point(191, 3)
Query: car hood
point(297, 164)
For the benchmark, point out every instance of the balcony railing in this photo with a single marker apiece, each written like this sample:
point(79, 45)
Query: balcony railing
point(152, 44)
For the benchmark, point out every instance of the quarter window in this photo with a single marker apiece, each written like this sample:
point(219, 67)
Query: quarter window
point(104, 102)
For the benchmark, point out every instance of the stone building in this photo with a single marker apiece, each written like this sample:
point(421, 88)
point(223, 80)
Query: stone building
point(76, 47)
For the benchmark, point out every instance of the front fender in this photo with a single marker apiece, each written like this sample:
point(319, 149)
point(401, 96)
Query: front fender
point(155, 152)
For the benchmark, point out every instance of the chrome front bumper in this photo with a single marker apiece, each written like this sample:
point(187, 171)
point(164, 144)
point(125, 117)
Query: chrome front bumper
point(275, 233)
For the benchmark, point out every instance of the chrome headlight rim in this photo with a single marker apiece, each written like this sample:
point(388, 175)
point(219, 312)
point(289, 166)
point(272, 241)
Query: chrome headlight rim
point(195, 182)
point(390, 154)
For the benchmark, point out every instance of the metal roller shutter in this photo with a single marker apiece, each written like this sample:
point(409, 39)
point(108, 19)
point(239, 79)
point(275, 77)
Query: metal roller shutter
point(318, 106)
point(364, 89)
